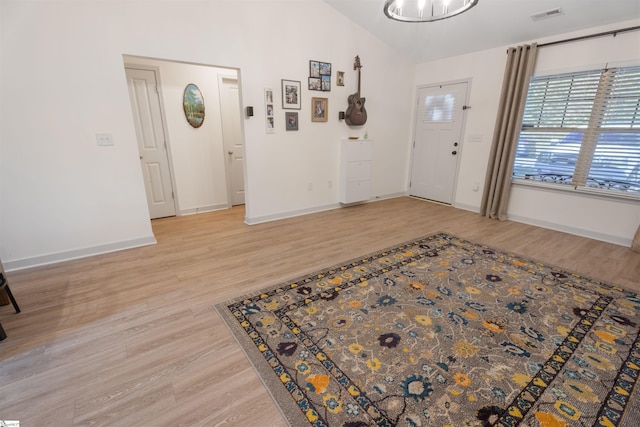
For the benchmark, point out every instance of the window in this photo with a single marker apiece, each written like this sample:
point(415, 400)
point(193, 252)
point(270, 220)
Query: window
point(439, 108)
point(583, 130)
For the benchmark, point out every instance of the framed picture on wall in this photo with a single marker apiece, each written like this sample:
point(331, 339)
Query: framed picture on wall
point(315, 83)
point(193, 105)
point(326, 83)
point(319, 109)
point(314, 69)
point(268, 110)
point(291, 119)
point(291, 94)
point(325, 68)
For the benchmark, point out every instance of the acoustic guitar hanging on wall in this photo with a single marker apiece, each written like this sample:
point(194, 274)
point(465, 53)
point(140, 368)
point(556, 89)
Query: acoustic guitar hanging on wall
point(356, 114)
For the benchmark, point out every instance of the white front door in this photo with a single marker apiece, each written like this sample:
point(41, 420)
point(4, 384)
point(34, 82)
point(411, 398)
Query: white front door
point(147, 115)
point(438, 137)
point(232, 136)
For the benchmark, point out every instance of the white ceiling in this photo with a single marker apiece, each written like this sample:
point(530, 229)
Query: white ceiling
point(490, 24)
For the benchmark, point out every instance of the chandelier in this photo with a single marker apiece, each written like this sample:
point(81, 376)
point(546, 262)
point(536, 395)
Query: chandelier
point(425, 10)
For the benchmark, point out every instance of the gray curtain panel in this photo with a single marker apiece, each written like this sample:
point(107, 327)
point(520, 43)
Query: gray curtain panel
point(497, 185)
point(635, 245)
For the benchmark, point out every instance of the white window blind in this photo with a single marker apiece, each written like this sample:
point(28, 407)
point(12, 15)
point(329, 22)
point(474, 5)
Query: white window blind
point(439, 108)
point(583, 129)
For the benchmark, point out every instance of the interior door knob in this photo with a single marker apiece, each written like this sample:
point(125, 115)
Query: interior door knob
point(230, 152)
point(454, 152)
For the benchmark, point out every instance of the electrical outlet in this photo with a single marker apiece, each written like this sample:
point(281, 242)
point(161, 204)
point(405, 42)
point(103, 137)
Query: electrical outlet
point(104, 139)
point(310, 186)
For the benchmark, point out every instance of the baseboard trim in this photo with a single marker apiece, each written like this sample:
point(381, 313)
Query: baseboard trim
point(616, 240)
point(466, 207)
point(315, 209)
point(37, 261)
point(289, 214)
point(203, 209)
point(390, 196)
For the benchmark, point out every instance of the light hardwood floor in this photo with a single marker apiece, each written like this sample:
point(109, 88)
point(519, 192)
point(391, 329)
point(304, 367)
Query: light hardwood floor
point(132, 339)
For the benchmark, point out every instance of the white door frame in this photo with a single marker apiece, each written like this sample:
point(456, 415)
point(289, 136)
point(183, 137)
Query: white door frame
point(236, 77)
point(156, 69)
point(462, 132)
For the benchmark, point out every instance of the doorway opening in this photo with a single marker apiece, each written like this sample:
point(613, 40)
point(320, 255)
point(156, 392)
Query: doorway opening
point(187, 170)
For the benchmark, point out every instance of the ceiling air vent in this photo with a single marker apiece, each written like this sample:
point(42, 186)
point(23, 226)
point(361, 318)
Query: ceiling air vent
point(547, 14)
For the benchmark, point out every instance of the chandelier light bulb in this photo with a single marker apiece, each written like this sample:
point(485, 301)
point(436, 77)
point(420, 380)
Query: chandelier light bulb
point(421, 4)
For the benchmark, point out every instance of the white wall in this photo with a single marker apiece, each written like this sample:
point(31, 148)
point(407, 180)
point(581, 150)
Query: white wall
point(612, 220)
point(196, 154)
point(62, 70)
point(279, 187)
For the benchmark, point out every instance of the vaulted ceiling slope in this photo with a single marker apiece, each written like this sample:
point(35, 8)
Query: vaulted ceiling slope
point(490, 24)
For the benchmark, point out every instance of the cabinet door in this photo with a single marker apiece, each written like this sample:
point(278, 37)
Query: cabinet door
point(358, 171)
point(357, 191)
point(358, 150)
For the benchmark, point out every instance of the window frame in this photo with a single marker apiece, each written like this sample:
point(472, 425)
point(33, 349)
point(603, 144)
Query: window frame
point(602, 101)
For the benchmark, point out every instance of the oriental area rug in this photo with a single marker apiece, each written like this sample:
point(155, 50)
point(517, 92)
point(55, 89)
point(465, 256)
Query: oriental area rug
point(441, 331)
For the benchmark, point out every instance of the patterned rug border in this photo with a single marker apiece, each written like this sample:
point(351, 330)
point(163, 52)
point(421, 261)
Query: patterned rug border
point(289, 410)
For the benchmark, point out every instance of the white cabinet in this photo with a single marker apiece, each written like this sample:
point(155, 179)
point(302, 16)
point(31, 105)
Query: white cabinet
point(356, 157)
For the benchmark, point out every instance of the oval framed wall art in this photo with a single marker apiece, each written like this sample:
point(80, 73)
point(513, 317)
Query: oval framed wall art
point(193, 104)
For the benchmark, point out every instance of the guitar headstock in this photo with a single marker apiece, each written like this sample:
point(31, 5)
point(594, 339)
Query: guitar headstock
point(356, 65)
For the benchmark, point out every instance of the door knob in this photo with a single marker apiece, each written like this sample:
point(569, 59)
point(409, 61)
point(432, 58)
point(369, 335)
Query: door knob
point(454, 152)
point(140, 157)
point(230, 152)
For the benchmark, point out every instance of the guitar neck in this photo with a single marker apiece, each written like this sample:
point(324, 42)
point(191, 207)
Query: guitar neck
point(358, 82)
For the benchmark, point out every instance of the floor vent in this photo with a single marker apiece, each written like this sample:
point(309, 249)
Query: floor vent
point(547, 14)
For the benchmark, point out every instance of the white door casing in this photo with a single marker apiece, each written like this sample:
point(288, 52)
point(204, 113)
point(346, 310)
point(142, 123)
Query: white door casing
point(154, 159)
point(437, 141)
point(231, 116)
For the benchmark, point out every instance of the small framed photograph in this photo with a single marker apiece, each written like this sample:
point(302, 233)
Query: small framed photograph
point(326, 83)
point(315, 83)
point(268, 110)
point(314, 69)
point(340, 78)
point(291, 119)
point(291, 94)
point(319, 109)
point(325, 69)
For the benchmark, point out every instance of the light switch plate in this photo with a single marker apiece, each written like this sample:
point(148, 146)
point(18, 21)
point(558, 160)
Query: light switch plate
point(475, 137)
point(104, 138)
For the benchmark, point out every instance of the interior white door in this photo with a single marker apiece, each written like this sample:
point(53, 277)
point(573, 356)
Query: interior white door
point(438, 133)
point(147, 115)
point(232, 135)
